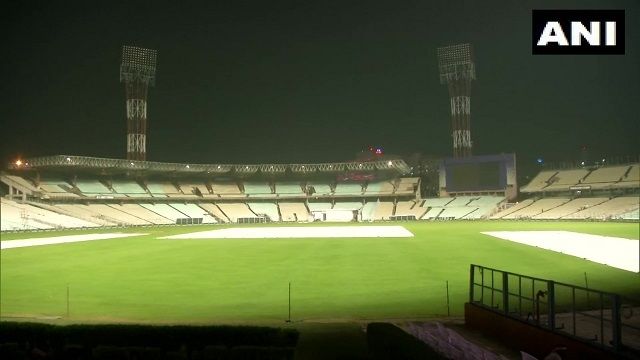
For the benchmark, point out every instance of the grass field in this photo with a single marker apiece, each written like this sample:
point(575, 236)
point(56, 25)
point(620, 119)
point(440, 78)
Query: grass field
point(146, 279)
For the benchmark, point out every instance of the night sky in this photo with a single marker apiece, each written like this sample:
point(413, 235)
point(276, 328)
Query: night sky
point(308, 81)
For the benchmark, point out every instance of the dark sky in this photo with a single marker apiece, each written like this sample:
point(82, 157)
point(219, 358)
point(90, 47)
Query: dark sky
point(298, 81)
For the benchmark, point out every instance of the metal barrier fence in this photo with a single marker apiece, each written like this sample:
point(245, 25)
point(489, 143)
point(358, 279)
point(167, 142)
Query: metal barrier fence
point(591, 315)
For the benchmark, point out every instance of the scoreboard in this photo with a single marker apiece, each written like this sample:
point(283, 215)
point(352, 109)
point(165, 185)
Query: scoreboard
point(479, 174)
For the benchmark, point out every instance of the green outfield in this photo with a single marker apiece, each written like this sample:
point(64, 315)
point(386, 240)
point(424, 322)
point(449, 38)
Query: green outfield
point(146, 279)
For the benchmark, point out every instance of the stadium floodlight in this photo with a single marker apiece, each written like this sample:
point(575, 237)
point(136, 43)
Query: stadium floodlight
point(137, 72)
point(457, 70)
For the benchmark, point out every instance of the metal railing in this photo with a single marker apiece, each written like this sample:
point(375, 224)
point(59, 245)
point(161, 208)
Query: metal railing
point(594, 316)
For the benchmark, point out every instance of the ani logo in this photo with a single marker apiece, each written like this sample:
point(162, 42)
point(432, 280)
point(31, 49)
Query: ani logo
point(576, 32)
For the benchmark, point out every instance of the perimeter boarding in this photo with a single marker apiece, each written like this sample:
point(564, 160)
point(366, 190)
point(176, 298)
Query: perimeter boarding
point(535, 314)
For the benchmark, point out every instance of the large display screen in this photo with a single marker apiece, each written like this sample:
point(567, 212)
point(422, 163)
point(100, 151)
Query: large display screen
point(477, 173)
point(478, 176)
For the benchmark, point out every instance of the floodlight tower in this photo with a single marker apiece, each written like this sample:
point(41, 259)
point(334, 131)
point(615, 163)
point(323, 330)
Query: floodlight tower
point(457, 70)
point(137, 71)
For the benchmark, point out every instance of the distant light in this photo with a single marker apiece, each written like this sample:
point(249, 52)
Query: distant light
point(218, 166)
point(360, 165)
point(187, 166)
point(131, 164)
point(68, 159)
point(603, 160)
point(18, 162)
point(389, 163)
point(540, 161)
point(582, 163)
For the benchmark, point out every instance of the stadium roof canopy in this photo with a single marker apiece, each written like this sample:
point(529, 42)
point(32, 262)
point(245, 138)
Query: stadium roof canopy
point(102, 165)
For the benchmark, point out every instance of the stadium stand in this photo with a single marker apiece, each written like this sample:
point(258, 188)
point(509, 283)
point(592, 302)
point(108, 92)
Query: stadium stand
point(368, 210)
point(121, 217)
point(608, 209)
point(437, 202)
point(631, 178)
point(320, 189)
point(215, 211)
point(194, 211)
point(129, 188)
point(268, 209)
point(407, 185)
point(570, 207)
point(347, 206)
point(456, 212)
point(432, 213)
point(163, 189)
point(409, 208)
point(319, 206)
point(605, 177)
point(384, 210)
point(562, 180)
point(198, 189)
point(93, 188)
point(348, 189)
point(294, 211)
point(539, 181)
point(288, 189)
point(83, 212)
point(166, 211)
point(19, 182)
point(234, 211)
point(536, 208)
point(631, 215)
point(257, 189)
point(380, 188)
point(226, 189)
point(25, 217)
point(515, 207)
point(143, 213)
point(54, 188)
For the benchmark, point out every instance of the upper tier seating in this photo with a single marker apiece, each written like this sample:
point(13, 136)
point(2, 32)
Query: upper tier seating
point(321, 189)
point(19, 181)
point(348, 189)
point(226, 189)
point(92, 188)
point(631, 178)
point(163, 189)
point(539, 181)
point(194, 189)
point(257, 189)
point(380, 187)
point(288, 189)
point(562, 180)
point(54, 188)
point(606, 176)
point(129, 188)
point(407, 185)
